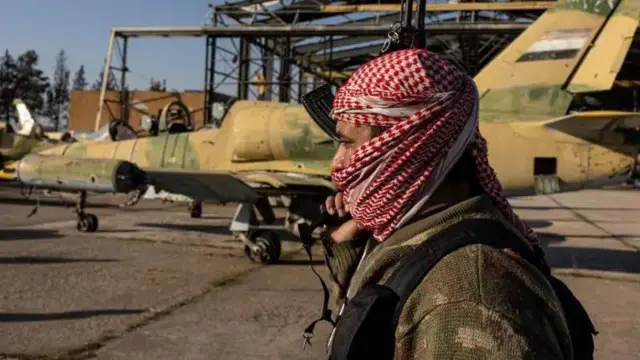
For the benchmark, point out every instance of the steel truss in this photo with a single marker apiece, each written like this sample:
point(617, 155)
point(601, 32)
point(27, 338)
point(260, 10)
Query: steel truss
point(278, 50)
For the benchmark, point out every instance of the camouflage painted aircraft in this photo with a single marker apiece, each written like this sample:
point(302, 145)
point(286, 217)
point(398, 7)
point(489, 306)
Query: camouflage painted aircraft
point(29, 137)
point(536, 113)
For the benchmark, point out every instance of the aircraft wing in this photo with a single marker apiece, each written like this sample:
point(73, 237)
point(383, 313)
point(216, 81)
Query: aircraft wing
point(592, 117)
point(284, 183)
point(219, 186)
point(592, 125)
point(243, 187)
point(111, 175)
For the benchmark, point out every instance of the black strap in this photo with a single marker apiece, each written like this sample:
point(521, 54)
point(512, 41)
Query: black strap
point(305, 231)
point(325, 315)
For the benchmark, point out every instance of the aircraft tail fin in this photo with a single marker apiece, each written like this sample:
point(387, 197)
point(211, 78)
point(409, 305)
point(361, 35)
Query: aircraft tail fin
point(603, 62)
point(21, 147)
point(528, 80)
point(26, 123)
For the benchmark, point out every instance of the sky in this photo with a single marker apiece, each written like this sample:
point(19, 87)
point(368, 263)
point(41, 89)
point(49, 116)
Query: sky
point(82, 28)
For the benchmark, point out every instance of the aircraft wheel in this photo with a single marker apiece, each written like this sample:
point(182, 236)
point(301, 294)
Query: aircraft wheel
point(88, 223)
point(196, 210)
point(268, 248)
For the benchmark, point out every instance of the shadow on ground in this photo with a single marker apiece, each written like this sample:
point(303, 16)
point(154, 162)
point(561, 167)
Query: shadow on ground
point(27, 234)
point(46, 260)
point(54, 202)
point(116, 231)
point(588, 258)
point(216, 229)
point(538, 224)
point(67, 315)
point(299, 262)
point(209, 229)
point(211, 217)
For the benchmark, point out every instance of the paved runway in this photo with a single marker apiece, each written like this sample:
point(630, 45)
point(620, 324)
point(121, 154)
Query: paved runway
point(153, 283)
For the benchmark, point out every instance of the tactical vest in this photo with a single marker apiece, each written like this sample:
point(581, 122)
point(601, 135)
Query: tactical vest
point(366, 328)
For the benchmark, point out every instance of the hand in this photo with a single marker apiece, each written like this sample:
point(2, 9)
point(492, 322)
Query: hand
point(345, 232)
point(337, 204)
point(349, 229)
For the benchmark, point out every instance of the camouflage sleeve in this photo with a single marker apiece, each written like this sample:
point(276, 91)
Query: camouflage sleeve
point(468, 330)
point(341, 260)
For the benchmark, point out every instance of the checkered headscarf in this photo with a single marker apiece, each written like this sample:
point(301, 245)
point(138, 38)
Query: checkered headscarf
point(429, 110)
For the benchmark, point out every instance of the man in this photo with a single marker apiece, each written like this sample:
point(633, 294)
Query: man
point(410, 163)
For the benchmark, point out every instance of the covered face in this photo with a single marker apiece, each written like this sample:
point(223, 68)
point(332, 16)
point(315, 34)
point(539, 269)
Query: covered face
point(429, 109)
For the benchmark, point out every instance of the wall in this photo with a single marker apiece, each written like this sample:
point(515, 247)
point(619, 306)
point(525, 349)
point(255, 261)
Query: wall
point(83, 107)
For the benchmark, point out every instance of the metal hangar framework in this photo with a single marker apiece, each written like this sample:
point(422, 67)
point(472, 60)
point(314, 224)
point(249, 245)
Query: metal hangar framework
point(279, 49)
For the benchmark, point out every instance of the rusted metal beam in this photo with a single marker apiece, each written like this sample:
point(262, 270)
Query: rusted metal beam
point(315, 30)
point(495, 6)
point(321, 10)
point(356, 51)
point(334, 74)
point(391, 18)
point(337, 43)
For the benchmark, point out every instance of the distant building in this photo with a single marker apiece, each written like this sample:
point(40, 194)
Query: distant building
point(83, 106)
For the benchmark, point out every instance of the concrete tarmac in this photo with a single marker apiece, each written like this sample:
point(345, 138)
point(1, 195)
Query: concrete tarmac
point(153, 283)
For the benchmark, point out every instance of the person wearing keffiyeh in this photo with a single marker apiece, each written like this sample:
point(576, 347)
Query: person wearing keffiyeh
point(411, 162)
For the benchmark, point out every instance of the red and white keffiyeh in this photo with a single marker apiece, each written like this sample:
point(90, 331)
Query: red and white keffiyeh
point(429, 108)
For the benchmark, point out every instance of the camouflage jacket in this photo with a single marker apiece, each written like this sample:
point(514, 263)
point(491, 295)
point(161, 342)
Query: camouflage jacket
point(478, 302)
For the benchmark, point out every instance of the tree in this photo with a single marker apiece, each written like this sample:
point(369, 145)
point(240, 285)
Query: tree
point(20, 78)
point(156, 85)
point(31, 83)
point(58, 96)
point(8, 68)
point(111, 82)
point(79, 79)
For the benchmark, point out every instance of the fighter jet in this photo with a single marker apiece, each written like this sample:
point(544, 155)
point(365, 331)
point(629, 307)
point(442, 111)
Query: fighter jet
point(30, 137)
point(551, 109)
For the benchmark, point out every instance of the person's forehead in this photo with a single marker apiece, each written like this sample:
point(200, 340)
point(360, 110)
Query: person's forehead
point(346, 128)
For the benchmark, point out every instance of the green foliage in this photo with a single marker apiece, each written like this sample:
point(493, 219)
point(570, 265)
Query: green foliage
point(21, 78)
point(57, 96)
point(156, 85)
point(111, 82)
point(79, 80)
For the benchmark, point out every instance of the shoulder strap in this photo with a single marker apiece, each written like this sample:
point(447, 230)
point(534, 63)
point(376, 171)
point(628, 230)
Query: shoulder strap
point(415, 266)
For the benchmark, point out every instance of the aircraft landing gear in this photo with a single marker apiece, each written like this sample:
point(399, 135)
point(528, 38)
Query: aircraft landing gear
point(133, 197)
point(261, 243)
point(263, 247)
point(86, 222)
point(195, 209)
